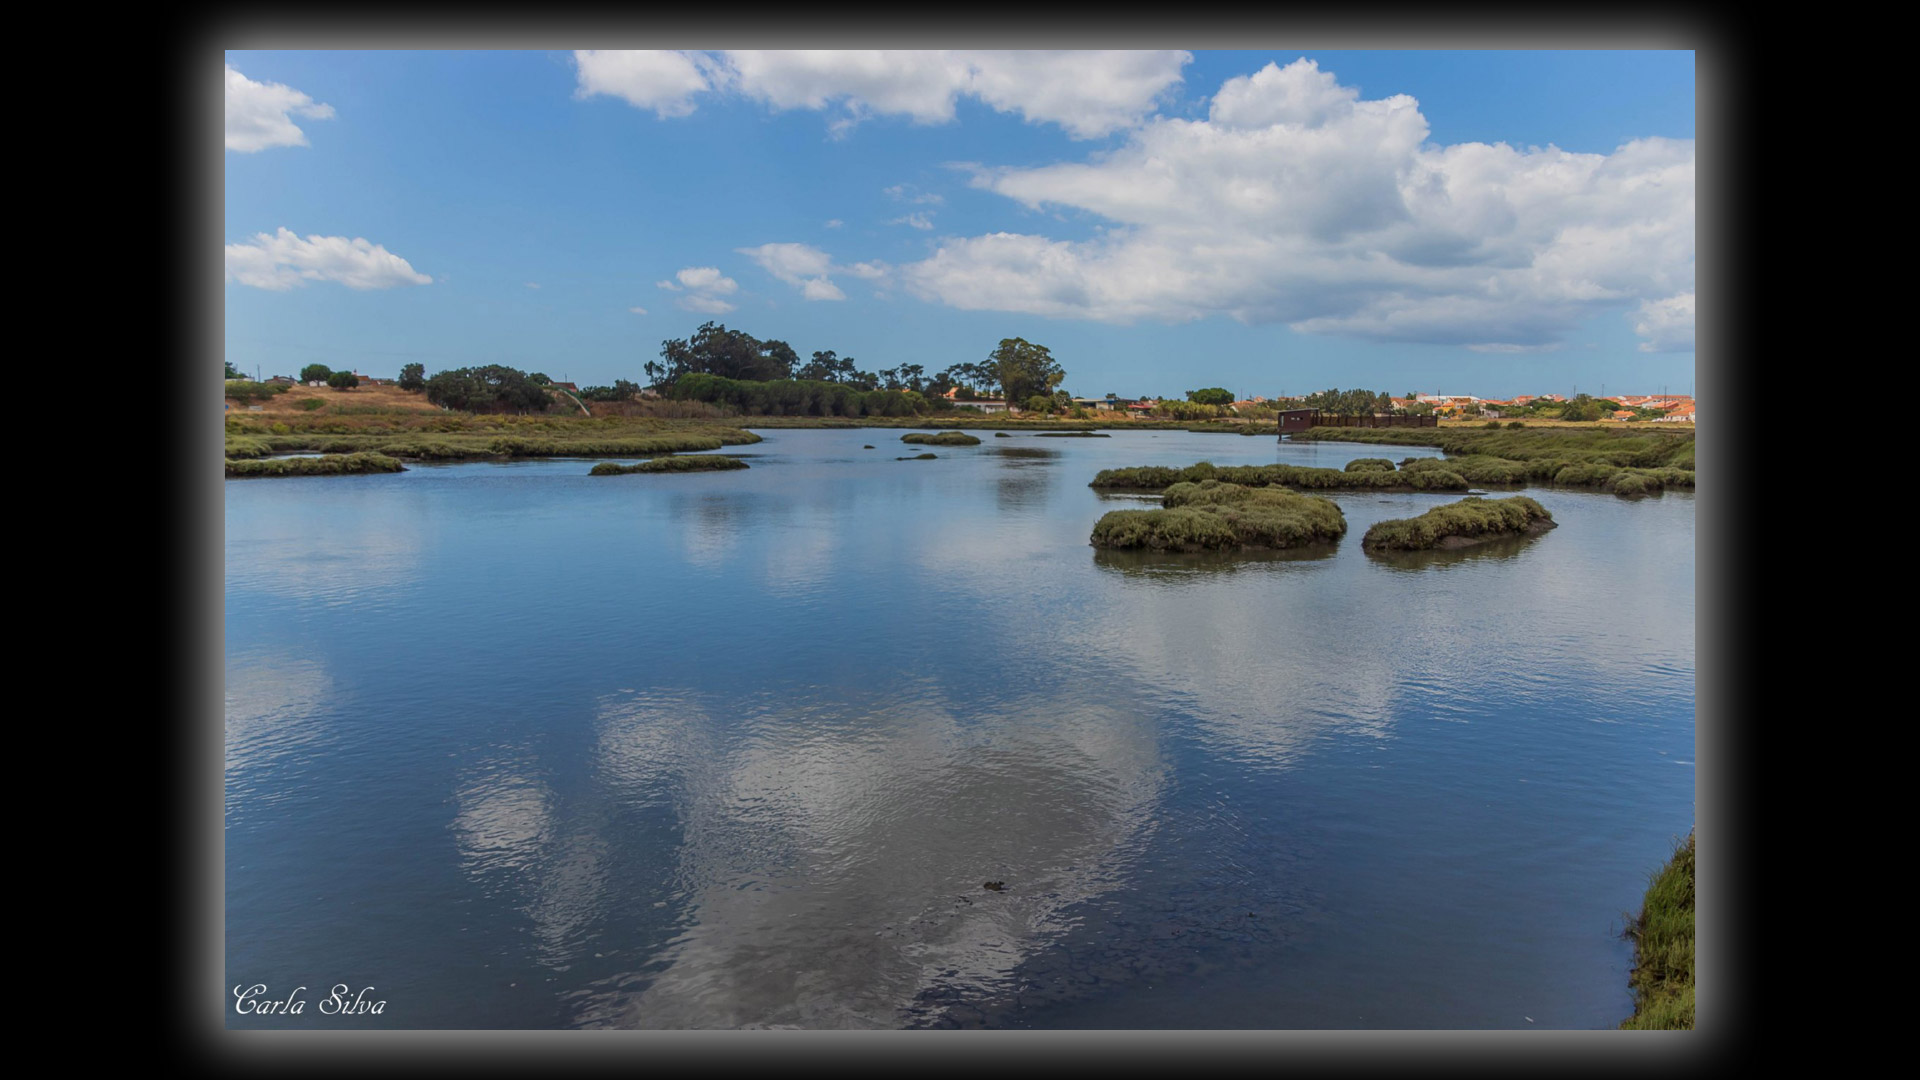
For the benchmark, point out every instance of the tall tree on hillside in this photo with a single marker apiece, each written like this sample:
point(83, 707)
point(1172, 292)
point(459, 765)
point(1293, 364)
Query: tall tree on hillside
point(232, 372)
point(1212, 395)
point(413, 377)
point(1024, 369)
point(731, 354)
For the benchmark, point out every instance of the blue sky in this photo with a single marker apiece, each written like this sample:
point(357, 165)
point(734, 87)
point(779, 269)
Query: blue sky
point(1273, 222)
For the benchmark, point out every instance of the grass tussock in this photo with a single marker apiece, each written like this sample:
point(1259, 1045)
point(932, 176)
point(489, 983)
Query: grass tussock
point(1214, 516)
point(1662, 976)
point(1369, 464)
point(1640, 448)
point(330, 465)
point(701, 463)
point(944, 438)
point(1158, 477)
point(1467, 521)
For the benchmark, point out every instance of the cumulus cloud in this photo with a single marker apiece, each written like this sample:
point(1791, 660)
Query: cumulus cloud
point(808, 268)
point(283, 261)
point(638, 310)
point(1667, 324)
point(1088, 93)
point(656, 79)
point(704, 287)
point(1296, 201)
point(260, 114)
point(917, 219)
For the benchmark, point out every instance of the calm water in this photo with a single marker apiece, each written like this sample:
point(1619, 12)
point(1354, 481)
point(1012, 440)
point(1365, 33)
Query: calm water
point(522, 748)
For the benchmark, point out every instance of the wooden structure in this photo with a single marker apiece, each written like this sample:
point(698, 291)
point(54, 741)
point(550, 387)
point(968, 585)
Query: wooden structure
point(1292, 420)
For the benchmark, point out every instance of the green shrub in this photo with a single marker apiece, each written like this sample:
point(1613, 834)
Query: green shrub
point(1468, 519)
point(944, 438)
point(1154, 477)
point(250, 392)
point(1211, 515)
point(1369, 464)
point(701, 463)
point(330, 465)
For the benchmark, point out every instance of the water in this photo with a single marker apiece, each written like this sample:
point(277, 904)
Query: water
point(521, 748)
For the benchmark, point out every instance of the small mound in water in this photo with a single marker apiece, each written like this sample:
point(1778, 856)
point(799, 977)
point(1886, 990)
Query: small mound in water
point(1075, 435)
point(1216, 516)
point(944, 438)
point(1461, 524)
point(328, 465)
point(1001, 435)
point(1369, 464)
point(699, 463)
point(919, 457)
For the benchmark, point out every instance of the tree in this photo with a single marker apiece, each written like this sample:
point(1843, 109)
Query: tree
point(1212, 395)
point(1349, 402)
point(731, 354)
point(1024, 369)
point(343, 380)
point(315, 373)
point(413, 376)
point(539, 378)
point(1582, 407)
point(494, 388)
point(232, 372)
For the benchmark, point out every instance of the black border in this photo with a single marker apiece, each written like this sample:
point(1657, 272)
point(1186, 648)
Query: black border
point(188, 982)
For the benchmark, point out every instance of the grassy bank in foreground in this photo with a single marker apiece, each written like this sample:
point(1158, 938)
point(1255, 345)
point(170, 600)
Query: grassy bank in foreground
point(700, 463)
point(1469, 521)
point(1662, 977)
point(330, 465)
point(1156, 477)
point(1215, 516)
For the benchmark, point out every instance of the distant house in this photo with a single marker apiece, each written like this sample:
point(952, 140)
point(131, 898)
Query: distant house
point(282, 380)
point(567, 386)
point(1144, 405)
point(1623, 414)
point(983, 404)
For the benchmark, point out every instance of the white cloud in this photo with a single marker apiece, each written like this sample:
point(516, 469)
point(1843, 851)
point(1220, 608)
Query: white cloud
point(707, 279)
point(1298, 202)
point(704, 286)
point(807, 268)
point(533, 284)
point(661, 80)
point(834, 223)
point(259, 115)
point(1667, 324)
point(283, 261)
point(638, 310)
point(916, 219)
point(1090, 94)
point(907, 193)
point(704, 304)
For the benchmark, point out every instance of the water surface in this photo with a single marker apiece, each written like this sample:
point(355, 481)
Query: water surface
point(524, 748)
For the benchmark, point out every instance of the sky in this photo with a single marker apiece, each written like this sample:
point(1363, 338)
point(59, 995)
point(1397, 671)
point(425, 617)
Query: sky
point(1272, 222)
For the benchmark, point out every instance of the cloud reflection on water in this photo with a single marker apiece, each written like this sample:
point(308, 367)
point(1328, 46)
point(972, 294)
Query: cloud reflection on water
point(833, 855)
